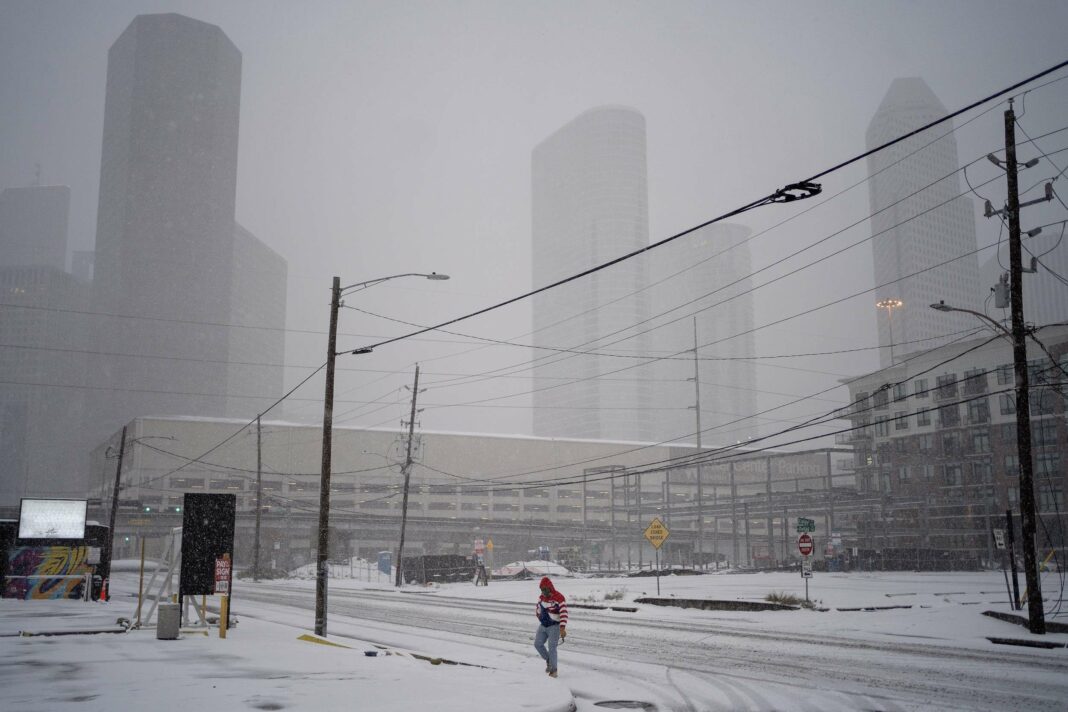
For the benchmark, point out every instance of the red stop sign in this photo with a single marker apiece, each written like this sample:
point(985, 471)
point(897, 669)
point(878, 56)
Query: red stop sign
point(804, 544)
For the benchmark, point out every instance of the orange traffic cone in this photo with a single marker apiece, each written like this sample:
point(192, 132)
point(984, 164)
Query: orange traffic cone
point(104, 592)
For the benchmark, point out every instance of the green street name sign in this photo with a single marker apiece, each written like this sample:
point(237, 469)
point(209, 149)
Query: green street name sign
point(806, 525)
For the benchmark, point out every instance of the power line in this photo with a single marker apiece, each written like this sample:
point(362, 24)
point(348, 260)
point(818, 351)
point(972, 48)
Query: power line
point(766, 200)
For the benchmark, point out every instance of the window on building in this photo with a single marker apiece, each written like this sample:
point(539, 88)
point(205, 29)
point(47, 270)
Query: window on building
point(568, 494)
point(949, 415)
point(1044, 432)
point(951, 475)
point(923, 417)
point(981, 441)
point(506, 493)
point(442, 489)
point(1048, 464)
point(978, 411)
point(882, 428)
point(474, 506)
point(568, 508)
point(861, 403)
point(536, 492)
point(919, 388)
point(1012, 466)
point(974, 381)
point(1050, 497)
point(950, 444)
point(881, 399)
point(1038, 371)
point(1013, 496)
point(923, 472)
point(903, 474)
point(983, 472)
point(1006, 374)
point(1007, 402)
point(901, 391)
point(901, 420)
point(535, 508)
point(505, 507)
point(884, 482)
point(1044, 401)
point(925, 442)
point(1008, 434)
point(441, 506)
point(947, 385)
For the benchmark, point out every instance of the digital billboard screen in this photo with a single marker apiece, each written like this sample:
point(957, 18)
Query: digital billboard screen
point(52, 519)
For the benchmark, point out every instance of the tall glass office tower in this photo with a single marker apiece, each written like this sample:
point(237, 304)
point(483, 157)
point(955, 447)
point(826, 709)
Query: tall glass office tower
point(590, 204)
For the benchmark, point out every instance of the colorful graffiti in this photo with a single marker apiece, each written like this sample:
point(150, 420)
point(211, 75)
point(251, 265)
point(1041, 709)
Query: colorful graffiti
point(48, 571)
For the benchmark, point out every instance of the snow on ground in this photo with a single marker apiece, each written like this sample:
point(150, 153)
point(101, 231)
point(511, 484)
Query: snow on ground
point(263, 664)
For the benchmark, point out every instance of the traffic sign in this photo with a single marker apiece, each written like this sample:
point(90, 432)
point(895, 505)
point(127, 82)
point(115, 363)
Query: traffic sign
point(999, 538)
point(804, 545)
point(489, 545)
point(222, 574)
point(805, 525)
point(806, 569)
point(656, 533)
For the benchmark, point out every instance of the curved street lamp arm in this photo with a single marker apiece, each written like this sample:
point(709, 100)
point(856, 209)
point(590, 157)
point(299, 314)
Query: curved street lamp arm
point(373, 282)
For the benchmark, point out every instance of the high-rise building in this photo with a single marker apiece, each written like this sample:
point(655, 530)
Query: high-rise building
point(41, 398)
point(590, 204)
point(173, 273)
point(705, 272)
point(258, 301)
point(919, 222)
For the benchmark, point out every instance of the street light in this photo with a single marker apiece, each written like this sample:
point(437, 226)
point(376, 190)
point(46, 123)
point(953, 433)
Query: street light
point(328, 420)
point(1035, 611)
point(890, 305)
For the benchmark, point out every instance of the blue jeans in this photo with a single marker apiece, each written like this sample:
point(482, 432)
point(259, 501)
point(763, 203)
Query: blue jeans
point(551, 635)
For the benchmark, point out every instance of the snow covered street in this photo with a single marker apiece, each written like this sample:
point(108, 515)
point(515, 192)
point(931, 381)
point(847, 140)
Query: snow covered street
point(924, 646)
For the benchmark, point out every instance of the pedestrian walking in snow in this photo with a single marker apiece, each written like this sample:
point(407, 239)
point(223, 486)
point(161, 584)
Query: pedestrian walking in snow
point(552, 624)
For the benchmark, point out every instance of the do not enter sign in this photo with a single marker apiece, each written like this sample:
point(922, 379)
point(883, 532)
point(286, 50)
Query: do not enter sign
point(804, 545)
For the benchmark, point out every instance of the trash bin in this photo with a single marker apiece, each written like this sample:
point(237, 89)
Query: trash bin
point(168, 620)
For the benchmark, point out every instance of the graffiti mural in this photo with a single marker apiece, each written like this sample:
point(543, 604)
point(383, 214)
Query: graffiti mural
point(43, 565)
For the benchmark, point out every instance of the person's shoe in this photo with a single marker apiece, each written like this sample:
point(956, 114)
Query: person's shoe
point(547, 668)
point(552, 673)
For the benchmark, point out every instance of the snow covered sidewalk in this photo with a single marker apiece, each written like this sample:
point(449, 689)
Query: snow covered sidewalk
point(259, 666)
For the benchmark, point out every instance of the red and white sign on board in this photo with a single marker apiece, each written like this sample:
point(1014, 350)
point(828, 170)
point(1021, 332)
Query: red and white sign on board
point(222, 575)
point(804, 544)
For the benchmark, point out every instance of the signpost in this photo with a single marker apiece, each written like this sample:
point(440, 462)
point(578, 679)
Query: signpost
point(222, 587)
point(657, 534)
point(805, 546)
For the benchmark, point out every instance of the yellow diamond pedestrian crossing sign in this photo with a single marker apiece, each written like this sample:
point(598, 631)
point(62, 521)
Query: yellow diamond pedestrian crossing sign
point(656, 533)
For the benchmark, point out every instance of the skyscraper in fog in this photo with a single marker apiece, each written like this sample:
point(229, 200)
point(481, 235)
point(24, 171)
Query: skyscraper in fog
point(168, 251)
point(590, 204)
point(40, 335)
point(908, 240)
point(712, 261)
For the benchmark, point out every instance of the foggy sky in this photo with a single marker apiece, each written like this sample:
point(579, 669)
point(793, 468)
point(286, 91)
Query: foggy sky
point(380, 138)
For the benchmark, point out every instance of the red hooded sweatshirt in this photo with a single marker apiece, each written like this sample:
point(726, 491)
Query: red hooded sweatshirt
point(551, 609)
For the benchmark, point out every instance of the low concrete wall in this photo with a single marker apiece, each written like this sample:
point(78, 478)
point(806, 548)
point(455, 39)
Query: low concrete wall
point(708, 605)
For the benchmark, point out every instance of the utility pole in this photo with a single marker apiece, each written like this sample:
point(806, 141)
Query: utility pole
point(700, 462)
point(407, 478)
point(115, 504)
point(1035, 613)
point(322, 559)
point(259, 503)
